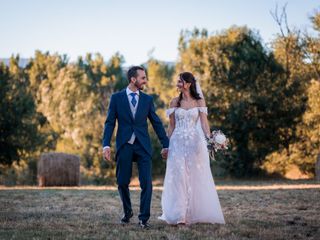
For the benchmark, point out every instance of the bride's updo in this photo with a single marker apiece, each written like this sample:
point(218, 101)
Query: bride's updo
point(189, 78)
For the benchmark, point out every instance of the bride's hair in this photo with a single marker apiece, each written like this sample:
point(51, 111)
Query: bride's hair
point(189, 78)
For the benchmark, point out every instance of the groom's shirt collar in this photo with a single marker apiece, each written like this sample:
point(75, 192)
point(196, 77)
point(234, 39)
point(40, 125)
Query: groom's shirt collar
point(128, 91)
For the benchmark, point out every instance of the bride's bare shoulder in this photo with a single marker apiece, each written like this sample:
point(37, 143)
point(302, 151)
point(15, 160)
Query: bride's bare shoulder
point(201, 103)
point(174, 102)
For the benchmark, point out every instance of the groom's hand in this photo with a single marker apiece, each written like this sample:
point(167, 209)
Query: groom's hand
point(107, 153)
point(164, 153)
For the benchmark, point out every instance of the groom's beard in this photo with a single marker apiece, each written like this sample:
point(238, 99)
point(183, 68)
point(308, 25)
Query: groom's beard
point(139, 86)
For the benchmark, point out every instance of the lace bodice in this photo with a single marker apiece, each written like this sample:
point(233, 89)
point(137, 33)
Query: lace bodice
point(186, 118)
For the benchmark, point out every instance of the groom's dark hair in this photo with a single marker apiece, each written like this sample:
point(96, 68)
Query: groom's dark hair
point(133, 72)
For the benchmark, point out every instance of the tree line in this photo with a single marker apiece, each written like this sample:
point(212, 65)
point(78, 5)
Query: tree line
point(265, 97)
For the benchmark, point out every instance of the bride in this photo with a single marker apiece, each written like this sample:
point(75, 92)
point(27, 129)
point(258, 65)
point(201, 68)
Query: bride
point(189, 194)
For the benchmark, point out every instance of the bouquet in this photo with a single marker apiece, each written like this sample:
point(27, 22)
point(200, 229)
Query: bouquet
point(218, 141)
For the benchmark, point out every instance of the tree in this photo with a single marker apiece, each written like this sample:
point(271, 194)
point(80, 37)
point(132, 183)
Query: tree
point(247, 93)
point(73, 97)
point(19, 120)
point(300, 56)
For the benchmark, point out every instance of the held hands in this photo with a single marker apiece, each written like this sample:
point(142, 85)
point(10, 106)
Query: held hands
point(106, 154)
point(164, 153)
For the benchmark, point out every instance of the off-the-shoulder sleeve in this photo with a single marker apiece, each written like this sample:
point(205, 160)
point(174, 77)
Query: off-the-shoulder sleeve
point(170, 111)
point(203, 109)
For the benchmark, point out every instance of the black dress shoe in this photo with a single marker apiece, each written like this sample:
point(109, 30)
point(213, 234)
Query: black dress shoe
point(126, 218)
point(144, 225)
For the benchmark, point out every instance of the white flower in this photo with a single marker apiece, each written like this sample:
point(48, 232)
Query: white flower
point(220, 138)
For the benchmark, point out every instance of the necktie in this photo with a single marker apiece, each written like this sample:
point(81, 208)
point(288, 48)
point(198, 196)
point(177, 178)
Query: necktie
point(133, 100)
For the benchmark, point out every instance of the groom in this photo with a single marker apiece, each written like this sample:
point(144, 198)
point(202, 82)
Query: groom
point(131, 108)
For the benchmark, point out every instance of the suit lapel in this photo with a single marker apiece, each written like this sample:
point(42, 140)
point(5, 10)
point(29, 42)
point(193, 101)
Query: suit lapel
point(126, 103)
point(140, 104)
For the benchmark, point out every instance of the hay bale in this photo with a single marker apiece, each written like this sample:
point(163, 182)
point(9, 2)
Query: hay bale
point(318, 168)
point(58, 169)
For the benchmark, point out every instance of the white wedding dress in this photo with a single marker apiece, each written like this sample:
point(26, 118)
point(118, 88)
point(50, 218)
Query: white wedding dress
point(189, 195)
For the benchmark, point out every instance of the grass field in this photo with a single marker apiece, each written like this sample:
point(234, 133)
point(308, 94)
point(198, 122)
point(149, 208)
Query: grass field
point(253, 210)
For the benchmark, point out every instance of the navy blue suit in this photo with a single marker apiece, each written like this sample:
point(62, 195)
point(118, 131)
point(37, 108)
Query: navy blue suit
point(140, 150)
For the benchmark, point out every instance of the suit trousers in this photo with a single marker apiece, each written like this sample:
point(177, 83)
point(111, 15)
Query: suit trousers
point(125, 156)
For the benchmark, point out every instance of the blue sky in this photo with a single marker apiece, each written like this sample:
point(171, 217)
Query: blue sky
point(133, 28)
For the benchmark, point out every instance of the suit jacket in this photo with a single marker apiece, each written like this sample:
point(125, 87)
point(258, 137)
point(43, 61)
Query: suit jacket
point(119, 109)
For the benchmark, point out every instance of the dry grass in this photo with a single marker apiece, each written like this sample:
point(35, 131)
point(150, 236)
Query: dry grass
point(252, 210)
